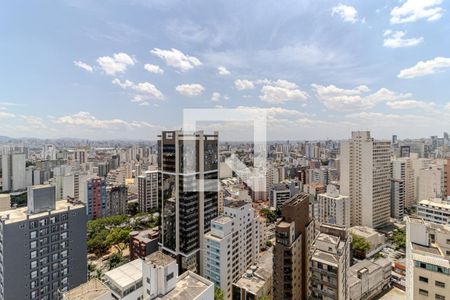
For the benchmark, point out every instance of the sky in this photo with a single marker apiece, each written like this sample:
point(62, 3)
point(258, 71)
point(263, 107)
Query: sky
point(319, 69)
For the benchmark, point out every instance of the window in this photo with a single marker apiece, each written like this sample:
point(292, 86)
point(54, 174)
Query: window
point(43, 222)
point(423, 279)
point(33, 264)
point(33, 244)
point(170, 276)
point(33, 254)
point(33, 274)
point(33, 234)
point(440, 284)
point(439, 297)
point(423, 292)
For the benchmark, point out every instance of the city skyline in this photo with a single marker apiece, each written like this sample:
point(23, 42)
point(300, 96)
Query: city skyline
point(118, 70)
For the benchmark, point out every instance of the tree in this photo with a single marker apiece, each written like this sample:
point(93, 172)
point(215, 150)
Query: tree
point(118, 235)
point(98, 274)
point(270, 216)
point(359, 243)
point(218, 293)
point(133, 208)
point(399, 238)
point(269, 244)
point(116, 260)
point(97, 243)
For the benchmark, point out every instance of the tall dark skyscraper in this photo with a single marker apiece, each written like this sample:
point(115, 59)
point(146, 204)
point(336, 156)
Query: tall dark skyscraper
point(189, 200)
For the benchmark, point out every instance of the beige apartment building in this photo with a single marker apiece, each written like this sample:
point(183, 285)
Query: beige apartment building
point(366, 178)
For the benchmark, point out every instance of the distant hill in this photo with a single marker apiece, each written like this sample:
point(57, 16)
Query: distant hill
point(5, 138)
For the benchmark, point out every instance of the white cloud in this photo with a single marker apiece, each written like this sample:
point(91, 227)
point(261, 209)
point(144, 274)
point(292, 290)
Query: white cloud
point(190, 90)
point(346, 12)
point(5, 115)
point(85, 119)
point(118, 63)
point(153, 69)
point(281, 91)
point(395, 39)
point(146, 89)
point(83, 65)
point(413, 10)
point(423, 68)
point(177, 59)
point(411, 104)
point(215, 97)
point(223, 71)
point(243, 84)
point(354, 99)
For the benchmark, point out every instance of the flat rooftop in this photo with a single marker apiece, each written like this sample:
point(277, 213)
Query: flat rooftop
point(126, 275)
point(223, 219)
point(21, 213)
point(236, 203)
point(327, 238)
point(91, 290)
point(146, 236)
point(283, 224)
point(428, 250)
point(263, 272)
point(160, 259)
point(438, 203)
point(363, 231)
point(189, 286)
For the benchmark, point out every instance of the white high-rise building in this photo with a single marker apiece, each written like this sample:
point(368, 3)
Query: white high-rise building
point(74, 186)
point(427, 260)
point(49, 152)
point(434, 210)
point(232, 245)
point(366, 178)
point(148, 191)
point(13, 171)
point(334, 208)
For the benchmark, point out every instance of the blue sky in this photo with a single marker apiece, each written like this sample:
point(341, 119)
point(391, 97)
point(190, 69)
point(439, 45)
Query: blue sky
point(127, 69)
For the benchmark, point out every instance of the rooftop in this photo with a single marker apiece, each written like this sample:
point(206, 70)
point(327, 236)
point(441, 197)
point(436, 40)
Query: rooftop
point(160, 259)
point(91, 290)
point(147, 235)
point(368, 265)
point(222, 219)
point(21, 213)
point(428, 250)
point(126, 275)
point(256, 276)
point(435, 203)
point(363, 231)
point(189, 286)
point(236, 204)
point(327, 238)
